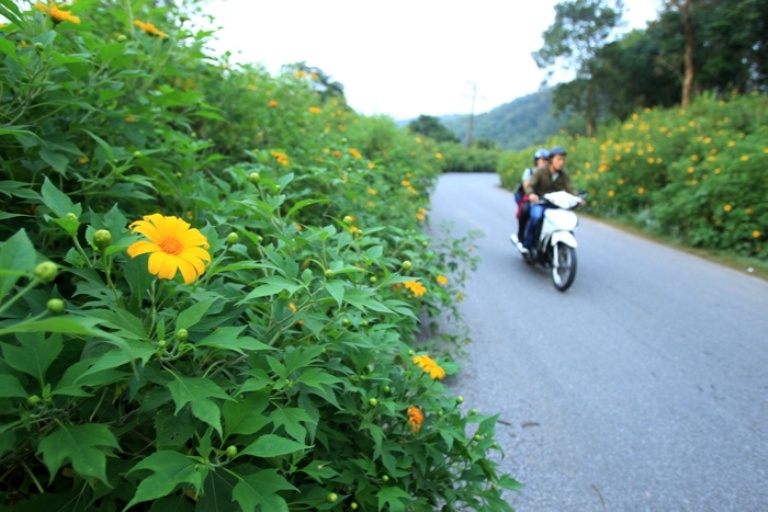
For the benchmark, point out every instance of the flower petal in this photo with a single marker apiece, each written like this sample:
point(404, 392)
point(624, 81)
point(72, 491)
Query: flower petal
point(162, 265)
point(188, 271)
point(196, 252)
point(142, 247)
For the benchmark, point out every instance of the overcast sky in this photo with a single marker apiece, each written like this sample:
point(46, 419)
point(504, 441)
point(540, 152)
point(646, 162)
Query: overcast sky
point(402, 58)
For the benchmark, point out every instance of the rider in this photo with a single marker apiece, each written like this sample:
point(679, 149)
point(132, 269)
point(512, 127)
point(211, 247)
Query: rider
point(540, 157)
point(549, 178)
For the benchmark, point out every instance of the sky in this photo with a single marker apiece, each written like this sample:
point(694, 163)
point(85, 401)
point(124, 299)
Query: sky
point(402, 58)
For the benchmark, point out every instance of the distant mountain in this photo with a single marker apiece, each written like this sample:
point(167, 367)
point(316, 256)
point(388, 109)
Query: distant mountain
point(517, 125)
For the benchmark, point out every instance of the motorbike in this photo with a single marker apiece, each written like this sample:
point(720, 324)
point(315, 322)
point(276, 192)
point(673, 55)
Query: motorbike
point(555, 247)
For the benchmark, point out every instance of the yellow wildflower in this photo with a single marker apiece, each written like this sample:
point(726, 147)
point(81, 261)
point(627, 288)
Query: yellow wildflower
point(640, 190)
point(314, 110)
point(415, 418)
point(355, 153)
point(273, 103)
point(744, 158)
point(756, 234)
point(442, 280)
point(439, 156)
point(150, 29)
point(416, 288)
point(727, 208)
point(405, 183)
point(172, 246)
point(429, 366)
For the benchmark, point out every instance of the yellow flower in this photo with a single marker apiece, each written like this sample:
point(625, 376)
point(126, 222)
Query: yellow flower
point(429, 366)
point(650, 160)
point(83, 160)
point(749, 211)
point(756, 234)
point(300, 73)
point(415, 418)
point(314, 110)
point(731, 143)
point(172, 246)
point(129, 119)
point(420, 216)
point(727, 208)
point(691, 169)
point(442, 280)
point(149, 29)
point(250, 87)
point(273, 103)
point(640, 190)
point(405, 183)
point(372, 191)
point(57, 15)
point(355, 153)
point(459, 296)
point(371, 165)
point(416, 287)
point(292, 306)
point(744, 158)
point(611, 193)
point(439, 156)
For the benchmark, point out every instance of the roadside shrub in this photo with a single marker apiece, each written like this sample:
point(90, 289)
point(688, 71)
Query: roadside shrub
point(211, 283)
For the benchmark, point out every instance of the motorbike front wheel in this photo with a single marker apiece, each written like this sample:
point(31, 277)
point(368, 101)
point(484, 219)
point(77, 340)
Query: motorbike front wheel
point(564, 269)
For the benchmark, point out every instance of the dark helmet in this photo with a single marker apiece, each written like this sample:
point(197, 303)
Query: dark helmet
point(540, 153)
point(557, 150)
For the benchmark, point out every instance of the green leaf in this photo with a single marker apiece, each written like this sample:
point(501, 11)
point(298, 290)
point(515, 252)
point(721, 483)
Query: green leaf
point(273, 285)
point(10, 387)
point(7, 47)
point(34, 354)
point(225, 338)
point(169, 469)
point(336, 290)
point(393, 496)
point(57, 161)
point(57, 201)
point(86, 446)
point(291, 419)
point(194, 313)
point(246, 416)
point(64, 325)
point(260, 489)
point(17, 258)
point(198, 392)
point(271, 445)
point(173, 430)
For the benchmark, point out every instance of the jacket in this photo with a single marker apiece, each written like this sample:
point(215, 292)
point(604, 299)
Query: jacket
point(543, 182)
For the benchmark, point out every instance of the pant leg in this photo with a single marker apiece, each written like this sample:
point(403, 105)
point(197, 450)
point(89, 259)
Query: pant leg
point(523, 215)
point(536, 213)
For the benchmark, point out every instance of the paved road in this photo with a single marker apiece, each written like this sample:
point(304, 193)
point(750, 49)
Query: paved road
point(642, 388)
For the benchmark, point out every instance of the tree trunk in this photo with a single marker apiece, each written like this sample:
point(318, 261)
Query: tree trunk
point(686, 13)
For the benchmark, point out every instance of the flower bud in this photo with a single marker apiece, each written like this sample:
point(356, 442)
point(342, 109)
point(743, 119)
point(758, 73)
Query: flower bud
point(459, 399)
point(162, 343)
point(372, 402)
point(55, 306)
point(71, 216)
point(232, 238)
point(353, 505)
point(182, 335)
point(46, 271)
point(33, 400)
point(329, 273)
point(254, 177)
point(406, 265)
point(348, 219)
point(121, 38)
point(332, 497)
point(373, 279)
point(231, 451)
point(137, 154)
point(385, 478)
point(39, 48)
point(102, 238)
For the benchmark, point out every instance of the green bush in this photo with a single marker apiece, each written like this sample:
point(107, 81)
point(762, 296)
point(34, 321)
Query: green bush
point(263, 355)
point(458, 158)
point(695, 174)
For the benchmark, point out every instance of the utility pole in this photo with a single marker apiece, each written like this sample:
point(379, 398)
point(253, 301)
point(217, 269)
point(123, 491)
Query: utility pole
point(471, 114)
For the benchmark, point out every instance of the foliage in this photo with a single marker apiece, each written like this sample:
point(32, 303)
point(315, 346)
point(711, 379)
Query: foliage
point(458, 158)
point(696, 174)
point(515, 125)
point(431, 127)
point(580, 29)
point(283, 377)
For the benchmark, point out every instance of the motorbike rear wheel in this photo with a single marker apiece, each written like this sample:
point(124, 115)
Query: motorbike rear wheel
point(564, 269)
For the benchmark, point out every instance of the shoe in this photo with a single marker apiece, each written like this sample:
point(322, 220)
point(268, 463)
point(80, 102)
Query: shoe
point(518, 244)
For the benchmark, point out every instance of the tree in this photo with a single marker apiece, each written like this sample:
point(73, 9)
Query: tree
point(580, 29)
point(431, 127)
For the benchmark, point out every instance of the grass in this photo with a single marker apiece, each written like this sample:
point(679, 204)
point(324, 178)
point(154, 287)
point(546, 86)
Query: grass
point(759, 268)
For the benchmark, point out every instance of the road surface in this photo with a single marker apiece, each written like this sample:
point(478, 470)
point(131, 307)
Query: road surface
point(642, 388)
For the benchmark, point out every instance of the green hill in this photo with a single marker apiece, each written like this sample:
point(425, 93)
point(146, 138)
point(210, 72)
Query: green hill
point(516, 125)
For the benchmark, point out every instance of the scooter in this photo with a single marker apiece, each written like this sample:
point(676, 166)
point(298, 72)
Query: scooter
point(556, 244)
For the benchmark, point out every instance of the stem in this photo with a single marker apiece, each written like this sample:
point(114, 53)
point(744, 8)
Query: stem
point(81, 251)
point(32, 476)
point(34, 282)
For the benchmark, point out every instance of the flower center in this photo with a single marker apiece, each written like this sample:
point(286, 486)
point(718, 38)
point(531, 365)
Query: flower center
point(171, 245)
